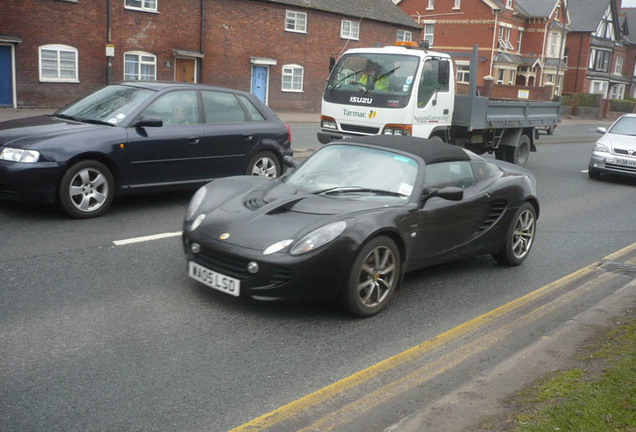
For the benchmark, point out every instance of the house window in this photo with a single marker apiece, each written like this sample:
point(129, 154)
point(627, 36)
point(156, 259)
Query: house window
point(617, 91)
point(350, 29)
point(555, 45)
point(404, 35)
point(144, 5)
point(511, 77)
point(431, 4)
point(618, 67)
point(58, 63)
point(293, 78)
point(599, 87)
point(501, 76)
point(463, 73)
point(599, 60)
point(140, 66)
point(458, 4)
point(296, 22)
point(429, 33)
point(519, 41)
point(509, 4)
point(556, 13)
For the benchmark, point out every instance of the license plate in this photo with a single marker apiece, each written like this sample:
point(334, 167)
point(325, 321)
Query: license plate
point(215, 280)
point(626, 162)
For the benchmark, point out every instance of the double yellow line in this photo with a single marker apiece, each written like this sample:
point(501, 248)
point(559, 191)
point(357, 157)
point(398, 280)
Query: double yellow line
point(435, 368)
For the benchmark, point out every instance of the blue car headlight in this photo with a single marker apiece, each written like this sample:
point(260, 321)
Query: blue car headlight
point(19, 155)
point(318, 238)
point(195, 202)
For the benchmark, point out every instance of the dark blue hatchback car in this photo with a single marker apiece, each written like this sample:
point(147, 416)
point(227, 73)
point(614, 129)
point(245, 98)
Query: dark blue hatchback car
point(138, 136)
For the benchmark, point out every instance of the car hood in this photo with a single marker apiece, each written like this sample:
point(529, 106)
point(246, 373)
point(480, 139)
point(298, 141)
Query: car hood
point(25, 132)
point(619, 141)
point(261, 216)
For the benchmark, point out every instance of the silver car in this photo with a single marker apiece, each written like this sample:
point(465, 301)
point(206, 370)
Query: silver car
point(615, 151)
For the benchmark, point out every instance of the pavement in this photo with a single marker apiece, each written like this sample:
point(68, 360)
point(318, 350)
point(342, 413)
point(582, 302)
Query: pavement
point(484, 397)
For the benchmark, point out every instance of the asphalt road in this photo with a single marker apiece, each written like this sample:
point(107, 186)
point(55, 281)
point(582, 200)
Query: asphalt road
point(101, 336)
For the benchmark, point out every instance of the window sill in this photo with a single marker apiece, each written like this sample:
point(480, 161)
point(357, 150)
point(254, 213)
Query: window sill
point(349, 38)
point(457, 8)
point(296, 31)
point(59, 81)
point(292, 91)
point(141, 10)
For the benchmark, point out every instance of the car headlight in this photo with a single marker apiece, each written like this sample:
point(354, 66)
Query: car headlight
point(195, 202)
point(277, 247)
point(19, 155)
point(601, 148)
point(319, 237)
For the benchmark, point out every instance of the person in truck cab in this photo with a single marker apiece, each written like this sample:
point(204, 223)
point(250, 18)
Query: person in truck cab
point(373, 79)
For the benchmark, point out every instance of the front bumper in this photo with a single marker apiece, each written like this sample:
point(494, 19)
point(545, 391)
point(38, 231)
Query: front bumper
point(325, 136)
point(318, 275)
point(29, 182)
point(613, 164)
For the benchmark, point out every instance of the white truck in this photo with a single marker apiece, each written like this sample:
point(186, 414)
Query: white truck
point(409, 90)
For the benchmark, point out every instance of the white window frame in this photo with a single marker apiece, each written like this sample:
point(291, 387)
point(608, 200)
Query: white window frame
point(140, 63)
point(146, 6)
point(618, 67)
point(350, 29)
point(617, 92)
point(557, 10)
point(463, 71)
point(59, 49)
point(430, 5)
point(501, 76)
point(458, 4)
point(404, 35)
point(429, 33)
point(509, 4)
point(602, 87)
point(288, 71)
point(297, 20)
point(519, 40)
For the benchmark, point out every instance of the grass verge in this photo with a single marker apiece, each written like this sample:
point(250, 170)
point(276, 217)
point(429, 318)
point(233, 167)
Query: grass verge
point(597, 396)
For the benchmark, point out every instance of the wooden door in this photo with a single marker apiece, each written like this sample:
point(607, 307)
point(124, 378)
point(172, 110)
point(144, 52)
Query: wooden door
point(184, 70)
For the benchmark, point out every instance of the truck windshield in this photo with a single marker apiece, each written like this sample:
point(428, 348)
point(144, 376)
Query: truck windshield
point(380, 80)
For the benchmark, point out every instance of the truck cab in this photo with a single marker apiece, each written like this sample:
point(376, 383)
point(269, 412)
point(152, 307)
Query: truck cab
point(395, 90)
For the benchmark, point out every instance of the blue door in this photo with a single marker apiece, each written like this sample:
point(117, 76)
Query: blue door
point(259, 82)
point(6, 91)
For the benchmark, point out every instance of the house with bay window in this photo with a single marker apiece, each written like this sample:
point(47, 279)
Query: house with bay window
point(521, 42)
point(278, 49)
point(598, 46)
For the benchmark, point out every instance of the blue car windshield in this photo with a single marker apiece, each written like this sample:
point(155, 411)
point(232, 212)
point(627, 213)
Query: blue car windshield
point(111, 104)
point(363, 172)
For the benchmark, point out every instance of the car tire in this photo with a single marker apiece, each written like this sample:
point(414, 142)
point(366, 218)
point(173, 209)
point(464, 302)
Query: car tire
point(264, 164)
point(550, 130)
point(593, 173)
point(86, 189)
point(373, 279)
point(519, 236)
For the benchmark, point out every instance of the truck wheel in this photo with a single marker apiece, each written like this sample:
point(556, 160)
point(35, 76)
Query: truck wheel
point(518, 155)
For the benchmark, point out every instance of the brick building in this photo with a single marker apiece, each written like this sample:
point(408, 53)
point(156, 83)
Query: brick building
point(601, 56)
point(520, 41)
point(53, 51)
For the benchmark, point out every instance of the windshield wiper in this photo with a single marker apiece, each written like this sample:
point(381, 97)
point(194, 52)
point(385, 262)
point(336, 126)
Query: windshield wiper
point(340, 81)
point(347, 189)
point(65, 117)
point(93, 121)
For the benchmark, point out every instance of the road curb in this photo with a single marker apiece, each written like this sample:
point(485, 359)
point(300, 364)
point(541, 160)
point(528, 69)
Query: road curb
point(484, 397)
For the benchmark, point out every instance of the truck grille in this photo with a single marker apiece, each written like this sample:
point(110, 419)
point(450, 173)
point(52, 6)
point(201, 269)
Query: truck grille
point(360, 129)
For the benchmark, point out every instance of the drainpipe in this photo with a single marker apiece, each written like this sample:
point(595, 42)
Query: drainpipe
point(494, 39)
point(109, 64)
point(202, 45)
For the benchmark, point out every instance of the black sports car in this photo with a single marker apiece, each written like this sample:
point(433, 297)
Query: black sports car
point(355, 217)
point(134, 137)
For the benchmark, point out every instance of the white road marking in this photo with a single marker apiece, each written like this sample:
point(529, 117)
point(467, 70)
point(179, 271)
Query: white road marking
point(146, 238)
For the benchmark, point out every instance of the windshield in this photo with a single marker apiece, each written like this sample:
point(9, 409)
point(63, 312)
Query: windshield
point(111, 104)
point(624, 126)
point(360, 172)
point(385, 78)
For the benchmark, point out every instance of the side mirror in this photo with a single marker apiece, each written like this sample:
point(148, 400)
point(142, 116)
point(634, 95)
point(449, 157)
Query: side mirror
point(149, 121)
point(450, 193)
point(290, 162)
point(601, 130)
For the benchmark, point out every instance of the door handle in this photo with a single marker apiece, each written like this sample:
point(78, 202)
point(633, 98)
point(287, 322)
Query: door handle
point(193, 140)
point(248, 137)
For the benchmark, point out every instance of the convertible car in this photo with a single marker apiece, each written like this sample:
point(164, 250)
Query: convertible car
point(359, 213)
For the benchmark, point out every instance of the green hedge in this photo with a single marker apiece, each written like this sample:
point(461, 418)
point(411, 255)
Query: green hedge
point(620, 105)
point(566, 100)
point(585, 99)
